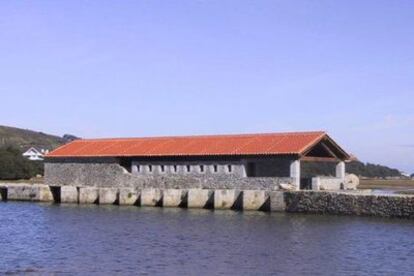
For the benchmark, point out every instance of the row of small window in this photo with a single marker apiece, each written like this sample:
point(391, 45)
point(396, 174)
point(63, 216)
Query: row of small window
point(174, 168)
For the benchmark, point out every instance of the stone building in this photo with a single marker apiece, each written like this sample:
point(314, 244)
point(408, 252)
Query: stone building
point(248, 161)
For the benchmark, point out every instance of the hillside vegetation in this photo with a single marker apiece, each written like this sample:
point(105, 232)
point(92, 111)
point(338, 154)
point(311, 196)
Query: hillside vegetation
point(372, 170)
point(400, 184)
point(15, 141)
point(358, 168)
point(24, 139)
point(14, 166)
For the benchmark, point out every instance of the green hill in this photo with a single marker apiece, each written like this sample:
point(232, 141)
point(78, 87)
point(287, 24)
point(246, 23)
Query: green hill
point(15, 141)
point(24, 139)
point(14, 166)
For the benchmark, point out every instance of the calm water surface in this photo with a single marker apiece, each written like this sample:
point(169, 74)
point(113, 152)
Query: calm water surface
point(97, 240)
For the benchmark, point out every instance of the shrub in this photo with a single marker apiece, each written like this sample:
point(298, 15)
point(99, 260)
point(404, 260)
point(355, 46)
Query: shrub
point(14, 166)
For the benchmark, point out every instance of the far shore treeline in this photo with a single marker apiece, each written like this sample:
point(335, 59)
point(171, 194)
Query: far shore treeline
point(367, 170)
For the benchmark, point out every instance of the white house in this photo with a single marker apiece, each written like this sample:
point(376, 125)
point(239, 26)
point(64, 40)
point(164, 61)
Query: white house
point(35, 154)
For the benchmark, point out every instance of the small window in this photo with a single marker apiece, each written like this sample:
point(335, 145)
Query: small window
point(201, 168)
point(150, 168)
point(229, 168)
point(188, 168)
point(215, 168)
point(138, 168)
point(162, 168)
point(175, 168)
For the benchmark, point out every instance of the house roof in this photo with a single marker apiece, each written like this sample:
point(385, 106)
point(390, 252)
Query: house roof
point(32, 150)
point(292, 143)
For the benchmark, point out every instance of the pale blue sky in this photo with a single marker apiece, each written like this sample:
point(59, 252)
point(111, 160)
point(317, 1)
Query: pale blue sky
point(134, 68)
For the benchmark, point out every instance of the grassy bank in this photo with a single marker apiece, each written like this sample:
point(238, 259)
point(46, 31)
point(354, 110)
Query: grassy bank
point(26, 181)
point(386, 184)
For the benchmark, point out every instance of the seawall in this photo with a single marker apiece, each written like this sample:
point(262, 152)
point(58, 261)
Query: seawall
point(320, 202)
point(350, 203)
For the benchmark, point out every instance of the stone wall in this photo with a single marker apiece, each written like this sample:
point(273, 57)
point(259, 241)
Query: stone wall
point(25, 192)
point(327, 183)
point(337, 203)
point(347, 203)
point(203, 168)
point(109, 173)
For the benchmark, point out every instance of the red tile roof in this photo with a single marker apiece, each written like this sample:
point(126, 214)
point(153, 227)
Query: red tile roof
point(244, 144)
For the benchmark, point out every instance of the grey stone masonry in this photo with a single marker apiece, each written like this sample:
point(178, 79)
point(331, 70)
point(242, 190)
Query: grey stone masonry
point(111, 174)
point(277, 201)
point(173, 197)
point(254, 200)
point(69, 194)
point(88, 195)
point(327, 183)
point(337, 203)
point(198, 198)
point(129, 196)
point(108, 195)
point(349, 203)
point(226, 199)
point(151, 197)
point(28, 192)
point(140, 168)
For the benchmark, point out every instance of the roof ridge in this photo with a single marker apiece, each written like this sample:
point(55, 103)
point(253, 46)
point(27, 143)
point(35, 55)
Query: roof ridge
point(206, 136)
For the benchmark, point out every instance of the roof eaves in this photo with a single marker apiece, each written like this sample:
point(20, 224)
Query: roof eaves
point(170, 155)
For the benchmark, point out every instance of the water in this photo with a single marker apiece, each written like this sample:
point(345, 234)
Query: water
point(98, 240)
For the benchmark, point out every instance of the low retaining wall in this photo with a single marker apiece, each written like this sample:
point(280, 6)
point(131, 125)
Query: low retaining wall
point(321, 202)
point(341, 203)
point(327, 183)
point(26, 192)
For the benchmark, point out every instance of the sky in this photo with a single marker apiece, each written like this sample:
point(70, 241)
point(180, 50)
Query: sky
point(154, 68)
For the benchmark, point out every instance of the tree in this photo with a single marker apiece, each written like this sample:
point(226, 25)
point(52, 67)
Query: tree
point(310, 169)
point(14, 166)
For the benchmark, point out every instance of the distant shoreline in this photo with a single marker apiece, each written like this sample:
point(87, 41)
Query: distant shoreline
point(381, 184)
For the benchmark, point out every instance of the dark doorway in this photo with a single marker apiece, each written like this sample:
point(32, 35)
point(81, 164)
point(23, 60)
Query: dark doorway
point(126, 163)
point(56, 193)
point(306, 183)
point(251, 169)
point(3, 193)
